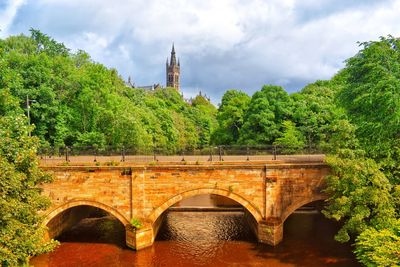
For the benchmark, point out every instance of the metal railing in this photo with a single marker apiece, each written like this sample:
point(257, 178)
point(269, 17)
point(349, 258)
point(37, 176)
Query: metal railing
point(205, 154)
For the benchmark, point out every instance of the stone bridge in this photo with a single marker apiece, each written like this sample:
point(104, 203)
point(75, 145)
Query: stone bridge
point(269, 192)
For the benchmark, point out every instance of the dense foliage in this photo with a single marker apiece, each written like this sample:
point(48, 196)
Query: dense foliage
point(291, 139)
point(263, 120)
point(21, 233)
point(82, 103)
point(379, 247)
point(365, 187)
point(359, 194)
point(230, 116)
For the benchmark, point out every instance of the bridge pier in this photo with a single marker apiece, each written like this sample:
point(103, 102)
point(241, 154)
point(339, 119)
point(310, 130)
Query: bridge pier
point(270, 231)
point(144, 237)
point(139, 238)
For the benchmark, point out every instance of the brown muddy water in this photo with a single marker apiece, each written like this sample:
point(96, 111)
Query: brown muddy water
point(202, 239)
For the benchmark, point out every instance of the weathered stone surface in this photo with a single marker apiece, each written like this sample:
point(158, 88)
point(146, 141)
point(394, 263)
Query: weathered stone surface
point(269, 191)
point(270, 232)
point(139, 238)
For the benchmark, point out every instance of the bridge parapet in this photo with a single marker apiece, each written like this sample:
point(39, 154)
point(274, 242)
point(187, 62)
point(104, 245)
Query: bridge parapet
point(154, 155)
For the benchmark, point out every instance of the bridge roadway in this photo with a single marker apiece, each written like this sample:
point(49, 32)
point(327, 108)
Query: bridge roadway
point(56, 160)
point(269, 190)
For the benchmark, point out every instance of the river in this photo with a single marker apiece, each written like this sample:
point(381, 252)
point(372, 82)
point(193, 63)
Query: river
point(202, 239)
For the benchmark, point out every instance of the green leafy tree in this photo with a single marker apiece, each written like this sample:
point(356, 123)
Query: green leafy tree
point(340, 135)
point(359, 194)
point(365, 187)
point(371, 98)
point(230, 117)
point(83, 103)
point(267, 110)
point(47, 44)
point(21, 232)
point(205, 119)
point(316, 113)
point(291, 139)
point(95, 139)
point(379, 247)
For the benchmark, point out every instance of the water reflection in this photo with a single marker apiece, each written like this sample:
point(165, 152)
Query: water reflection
point(202, 239)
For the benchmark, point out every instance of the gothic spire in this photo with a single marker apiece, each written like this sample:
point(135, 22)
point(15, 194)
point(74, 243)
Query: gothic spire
point(173, 58)
point(173, 70)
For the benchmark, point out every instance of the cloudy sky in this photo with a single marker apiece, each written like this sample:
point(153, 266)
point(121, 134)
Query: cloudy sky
point(222, 44)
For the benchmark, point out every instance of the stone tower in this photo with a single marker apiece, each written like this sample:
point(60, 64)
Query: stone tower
point(173, 71)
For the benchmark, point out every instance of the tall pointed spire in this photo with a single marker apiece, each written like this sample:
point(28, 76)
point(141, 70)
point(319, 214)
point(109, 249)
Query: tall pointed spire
point(173, 58)
point(173, 70)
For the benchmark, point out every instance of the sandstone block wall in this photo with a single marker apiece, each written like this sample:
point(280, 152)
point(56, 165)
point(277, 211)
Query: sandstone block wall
point(269, 192)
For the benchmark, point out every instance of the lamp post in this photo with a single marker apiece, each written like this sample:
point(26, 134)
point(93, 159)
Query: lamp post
point(28, 107)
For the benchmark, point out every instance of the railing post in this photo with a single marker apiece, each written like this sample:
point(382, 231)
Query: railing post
point(95, 155)
point(66, 154)
point(274, 151)
point(123, 154)
point(210, 158)
point(183, 155)
point(154, 154)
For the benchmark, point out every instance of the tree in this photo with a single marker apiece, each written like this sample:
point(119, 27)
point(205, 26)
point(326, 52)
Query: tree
point(365, 187)
point(83, 103)
point(359, 194)
point(291, 139)
point(47, 44)
point(263, 120)
point(379, 247)
point(230, 117)
point(315, 111)
point(21, 232)
point(371, 97)
point(340, 134)
point(204, 116)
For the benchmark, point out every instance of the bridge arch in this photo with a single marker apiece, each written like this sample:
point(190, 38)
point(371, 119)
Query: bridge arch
point(289, 210)
point(251, 208)
point(83, 202)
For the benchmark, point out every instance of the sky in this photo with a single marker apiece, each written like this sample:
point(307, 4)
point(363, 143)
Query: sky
point(221, 44)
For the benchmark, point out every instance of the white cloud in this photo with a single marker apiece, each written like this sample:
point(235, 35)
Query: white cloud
point(222, 44)
point(7, 15)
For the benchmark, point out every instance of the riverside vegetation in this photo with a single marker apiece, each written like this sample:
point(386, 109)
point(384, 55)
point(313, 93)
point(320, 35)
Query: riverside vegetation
point(354, 118)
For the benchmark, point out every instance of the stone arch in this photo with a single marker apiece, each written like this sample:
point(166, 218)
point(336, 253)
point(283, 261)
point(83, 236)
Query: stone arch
point(251, 208)
point(289, 210)
point(83, 202)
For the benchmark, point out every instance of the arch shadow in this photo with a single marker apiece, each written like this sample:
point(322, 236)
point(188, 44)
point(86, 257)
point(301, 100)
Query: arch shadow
point(251, 208)
point(83, 202)
point(292, 208)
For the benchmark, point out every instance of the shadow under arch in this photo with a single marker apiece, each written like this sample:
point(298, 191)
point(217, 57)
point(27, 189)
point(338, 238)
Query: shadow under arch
point(51, 214)
point(292, 208)
point(203, 191)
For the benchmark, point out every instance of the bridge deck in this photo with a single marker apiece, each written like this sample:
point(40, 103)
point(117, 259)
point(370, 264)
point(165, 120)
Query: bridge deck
point(200, 159)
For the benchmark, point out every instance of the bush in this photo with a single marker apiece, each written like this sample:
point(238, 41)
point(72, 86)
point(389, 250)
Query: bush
point(135, 222)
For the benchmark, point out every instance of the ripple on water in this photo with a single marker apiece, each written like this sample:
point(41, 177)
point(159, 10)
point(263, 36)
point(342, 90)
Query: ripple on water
point(202, 239)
